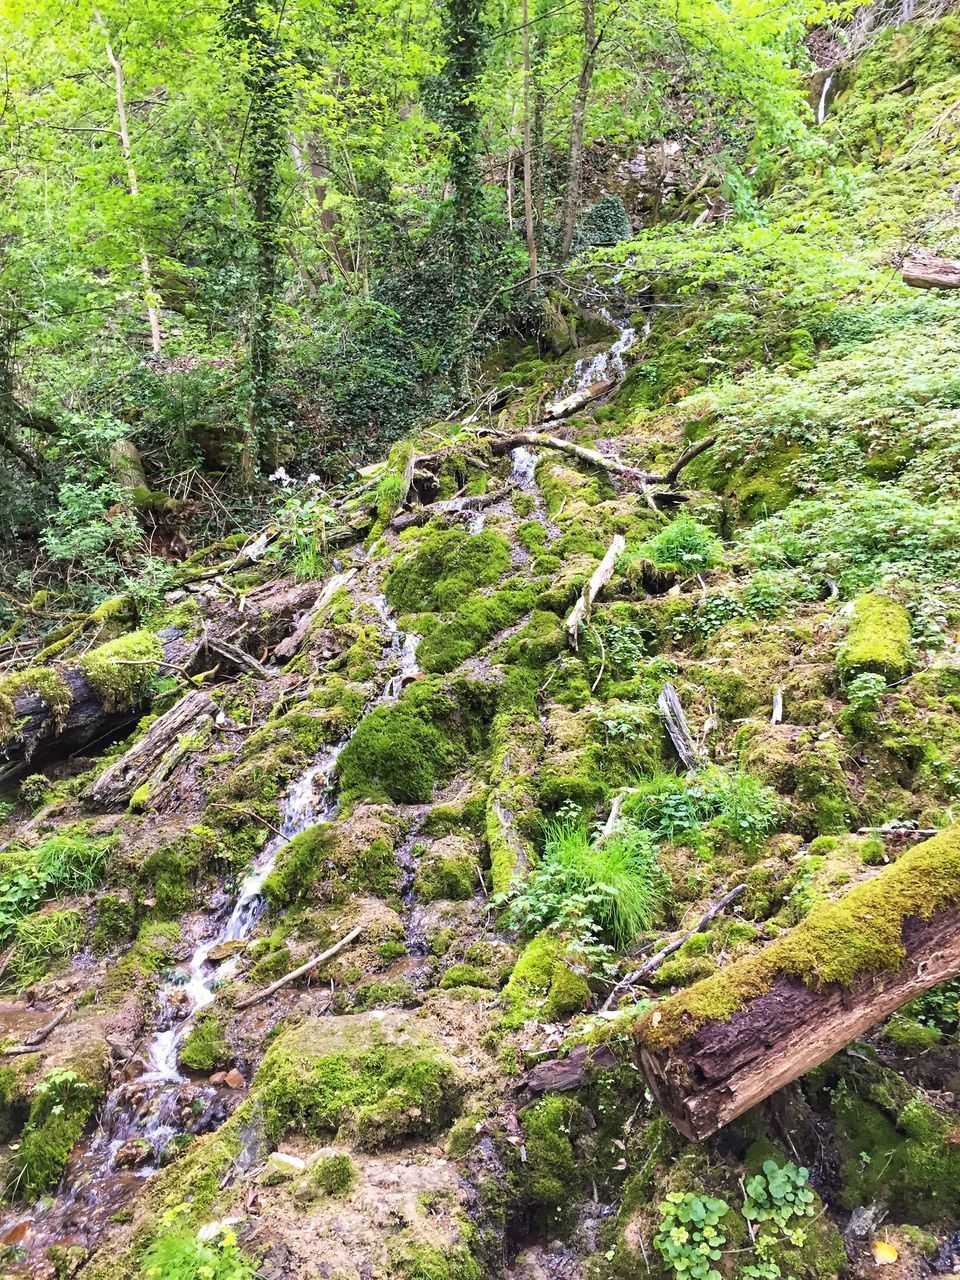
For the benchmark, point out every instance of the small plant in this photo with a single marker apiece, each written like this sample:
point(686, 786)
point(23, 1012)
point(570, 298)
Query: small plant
point(690, 1239)
point(779, 1195)
point(59, 1086)
point(177, 1254)
point(865, 691)
point(686, 543)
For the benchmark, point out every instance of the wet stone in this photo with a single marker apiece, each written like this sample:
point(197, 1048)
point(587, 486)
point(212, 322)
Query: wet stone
point(133, 1154)
point(234, 1079)
point(224, 950)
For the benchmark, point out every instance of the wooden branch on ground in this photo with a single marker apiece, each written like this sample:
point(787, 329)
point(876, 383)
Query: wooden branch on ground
point(675, 722)
point(580, 613)
point(577, 400)
point(718, 1048)
point(37, 1037)
point(927, 271)
point(118, 782)
point(451, 506)
point(292, 643)
point(500, 445)
point(237, 656)
point(304, 968)
point(649, 967)
point(560, 1074)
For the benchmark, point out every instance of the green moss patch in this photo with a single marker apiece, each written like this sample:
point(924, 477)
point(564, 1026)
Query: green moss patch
point(878, 639)
point(543, 984)
point(123, 671)
point(447, 566)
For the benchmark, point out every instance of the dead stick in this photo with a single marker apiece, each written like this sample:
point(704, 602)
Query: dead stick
point(37, 1037)
point(304, 968)
point(650, 966)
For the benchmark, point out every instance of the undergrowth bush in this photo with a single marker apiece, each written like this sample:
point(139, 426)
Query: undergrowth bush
point(179, 1254)
point(683, 809)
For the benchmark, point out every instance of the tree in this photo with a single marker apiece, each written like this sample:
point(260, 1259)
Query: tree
point(571, 196)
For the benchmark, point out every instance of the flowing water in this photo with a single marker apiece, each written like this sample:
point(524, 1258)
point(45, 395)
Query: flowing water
point(145, 1116)
point(824, 98)
point(609, 363)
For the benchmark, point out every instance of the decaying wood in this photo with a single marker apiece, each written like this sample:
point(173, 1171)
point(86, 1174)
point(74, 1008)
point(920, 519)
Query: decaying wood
point(927, 271)
point(304, 968)
point(450, 506)
point(668, 704)
point(292, 643)
point(37, 1037)
point(580, 613)
point(560, 1074)
point(117, 783)
point(500, 445)
point(708, 1075)
point(577, 400)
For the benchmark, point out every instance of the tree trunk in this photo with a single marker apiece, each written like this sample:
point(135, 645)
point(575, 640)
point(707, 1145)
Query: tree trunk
point(528, 157)
point(571, 196)
point(926, 271)
point(153, 314)
point(712, 1052)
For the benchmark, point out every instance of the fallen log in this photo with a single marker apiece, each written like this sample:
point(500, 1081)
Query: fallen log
point(500, 445)
point(712, 1052)
point(450, 506)
point(580, 613)
point(292, 643)
point(927, 271)
point(675, 722)
point(135, 767)
point(577, 400)
point(560, 1074)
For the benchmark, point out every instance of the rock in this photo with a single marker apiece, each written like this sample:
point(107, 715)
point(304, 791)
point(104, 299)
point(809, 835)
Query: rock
point(224, 950)
point(281, 1168)
point(234, 1079)
point(218, 1078)
point(133, 1154)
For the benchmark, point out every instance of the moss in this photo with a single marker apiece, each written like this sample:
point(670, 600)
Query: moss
point(858, 934)
point(151, 953)
point(335, 1175)
point(45, 683)
point(385, 993)
point(476, 621)
point(573, 760)
point(447, 566)
point(375, 1081)
point(15, 1094)
point(466, 975)
point(878, 639)
point(543, 984)
point(910, 1035)
point(411, 1259)
point(512, 812)
point(548, 1176)
point(205, 1047)
point(116, 921)
point(63, 1102)
point(403, 749)
point(447, 871)
point(297, 867)
point(123, 671)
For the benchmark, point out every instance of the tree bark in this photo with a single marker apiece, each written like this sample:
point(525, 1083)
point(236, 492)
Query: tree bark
point(927, 271)
point(153, 314)
point(571, 196)
point(705, 1070)
point(528, 156)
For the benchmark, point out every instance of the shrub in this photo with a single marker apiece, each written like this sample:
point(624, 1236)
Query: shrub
point(685, 543)
point(176, 1253)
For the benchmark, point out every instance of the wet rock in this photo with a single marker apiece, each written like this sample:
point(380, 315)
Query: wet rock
point(67, 1259)
point(281, 1168)
point(218, 1078)
point(224, 950)
point(133, 1154)
point(234, 1079)
point(865, 1220)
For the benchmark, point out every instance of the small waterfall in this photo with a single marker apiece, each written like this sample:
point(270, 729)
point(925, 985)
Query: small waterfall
point(824, 98)
point(609, 363)
point(523, 467)
point(158, 1105)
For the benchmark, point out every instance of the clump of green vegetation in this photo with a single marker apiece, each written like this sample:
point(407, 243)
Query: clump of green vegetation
point(123, 671)
point(414, 1260)
point(298, 865)
point(877, 641)
point(446, 567)
point(476, 621)
point(205, 1047)
point(42, 941)
point(332, 1075)
point(683, 809)
point(335, 1175)
point(448, 870)
point(615, 883)
point(177, 1253)
point(684, 545)
point(545, 984)
point(548, 1179)
point(69, 861)
point(691, 1238)
point(151, 953)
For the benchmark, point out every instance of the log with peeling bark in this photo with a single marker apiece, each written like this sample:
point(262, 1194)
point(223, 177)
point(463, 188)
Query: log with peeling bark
point(138, 765)
point(580, 613)
point(500, 445)
point(722, 1046)
point(577, 400)
point(675, 722)
point(449, 507)
point(927, 271)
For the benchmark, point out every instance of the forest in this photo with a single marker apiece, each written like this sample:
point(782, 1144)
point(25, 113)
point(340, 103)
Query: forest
point(480, 640)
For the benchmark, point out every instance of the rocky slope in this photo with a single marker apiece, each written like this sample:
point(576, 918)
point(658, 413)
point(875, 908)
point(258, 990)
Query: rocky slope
point(401, 755)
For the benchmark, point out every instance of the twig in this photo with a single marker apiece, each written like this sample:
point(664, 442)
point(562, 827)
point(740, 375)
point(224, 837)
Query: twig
point(650, 966)
point(37, 1037)
point(304, 968)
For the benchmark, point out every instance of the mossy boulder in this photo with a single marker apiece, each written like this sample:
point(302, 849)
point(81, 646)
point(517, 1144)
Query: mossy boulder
point(123, 671)
point(877, 640)
point(548, 1175)
point(445, 567)
point(205, 1047)
point(374, 1079)
point(448, 869)
point(544, 984)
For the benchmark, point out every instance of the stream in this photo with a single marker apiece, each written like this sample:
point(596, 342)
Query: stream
point(145, 1117)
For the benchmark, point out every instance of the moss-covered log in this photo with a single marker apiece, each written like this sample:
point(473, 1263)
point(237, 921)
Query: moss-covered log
point(717, 1049)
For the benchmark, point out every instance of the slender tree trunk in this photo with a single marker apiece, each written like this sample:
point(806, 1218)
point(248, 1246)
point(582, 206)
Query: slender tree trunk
point(153, 315)
point(571, 196)
point(528, 156)
point(536, 151)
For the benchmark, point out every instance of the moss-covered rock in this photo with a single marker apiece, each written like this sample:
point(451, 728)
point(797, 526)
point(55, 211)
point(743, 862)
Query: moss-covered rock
point(877, 640)
point(375, 1080)
point(446, 566)
point(448, 869)
point(123, 671)
point(544, 985)
point(205, 1047)
point(548, 1176)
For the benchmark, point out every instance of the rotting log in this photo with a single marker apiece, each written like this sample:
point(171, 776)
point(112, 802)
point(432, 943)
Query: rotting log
point(578, 399)
point(140, 764)
point(715, 1050)
point(500, 445)
point(927, 271)
point(580, 613)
